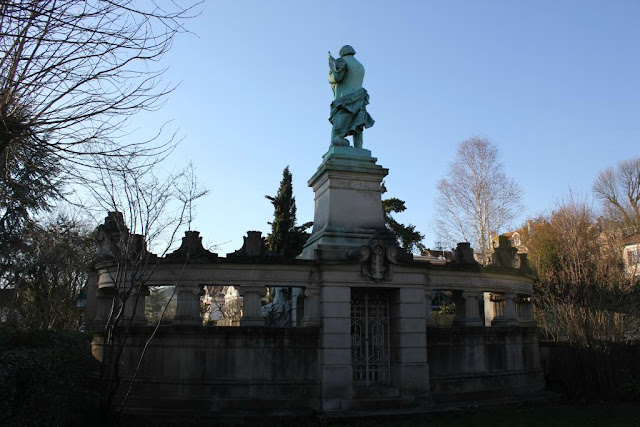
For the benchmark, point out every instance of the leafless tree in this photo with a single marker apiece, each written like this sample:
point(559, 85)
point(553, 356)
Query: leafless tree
point(150, 213)
point(583, 294)
point(476, 198)
point(618, 190)
point(73, 72)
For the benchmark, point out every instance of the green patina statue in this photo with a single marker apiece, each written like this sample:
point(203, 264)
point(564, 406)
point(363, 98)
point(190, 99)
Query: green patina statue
point(348, 110)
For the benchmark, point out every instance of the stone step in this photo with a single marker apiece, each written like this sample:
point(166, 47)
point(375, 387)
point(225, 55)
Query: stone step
point(378, 403)
point(375, 392)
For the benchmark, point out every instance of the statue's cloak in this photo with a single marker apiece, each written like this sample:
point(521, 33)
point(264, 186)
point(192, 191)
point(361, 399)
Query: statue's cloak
point(349, 112)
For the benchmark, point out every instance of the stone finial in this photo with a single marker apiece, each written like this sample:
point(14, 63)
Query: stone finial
point(524, 265)
point(254, 246)
point(191, 250)
point(463, 254)
point(137, 247)
point(504, 255)
point(111, 237)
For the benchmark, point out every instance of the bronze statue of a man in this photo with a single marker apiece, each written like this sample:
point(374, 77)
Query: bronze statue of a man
point(348, 110)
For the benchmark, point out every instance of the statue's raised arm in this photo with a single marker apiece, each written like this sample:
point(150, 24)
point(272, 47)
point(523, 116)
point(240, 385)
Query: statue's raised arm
point(348, 110)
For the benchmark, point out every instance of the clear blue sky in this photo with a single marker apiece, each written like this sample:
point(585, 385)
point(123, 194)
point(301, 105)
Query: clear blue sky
point(554, 84)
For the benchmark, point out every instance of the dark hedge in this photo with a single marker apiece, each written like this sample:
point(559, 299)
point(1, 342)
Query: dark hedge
point(43, 377)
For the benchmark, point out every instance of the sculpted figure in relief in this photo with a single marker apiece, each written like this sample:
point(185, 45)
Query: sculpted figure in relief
point(278, 312)
point(348, 110)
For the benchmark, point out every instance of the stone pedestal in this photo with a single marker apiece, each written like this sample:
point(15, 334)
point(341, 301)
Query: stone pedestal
point(348, 207)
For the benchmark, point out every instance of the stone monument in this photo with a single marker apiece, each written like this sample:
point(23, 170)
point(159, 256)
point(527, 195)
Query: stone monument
point(350, 316)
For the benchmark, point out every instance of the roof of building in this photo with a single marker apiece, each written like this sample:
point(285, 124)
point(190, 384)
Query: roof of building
point(631, 239)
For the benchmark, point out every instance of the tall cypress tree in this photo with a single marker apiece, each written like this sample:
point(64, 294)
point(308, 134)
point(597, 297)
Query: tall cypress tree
point(286, 238)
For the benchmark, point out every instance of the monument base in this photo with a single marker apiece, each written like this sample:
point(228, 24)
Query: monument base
point(348, 204)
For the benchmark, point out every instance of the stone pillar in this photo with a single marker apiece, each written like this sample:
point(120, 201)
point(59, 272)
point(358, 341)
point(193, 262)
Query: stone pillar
point(252, 305)
point(105, 298)
point(135, 306)
point(337, 372)
point(297, 309)
point(92, 299)
point(467, 308)
point(188, 304)
point(311, 307)
point(505, 310)
point(409, 368)
point(428, 297)
point(524, 308)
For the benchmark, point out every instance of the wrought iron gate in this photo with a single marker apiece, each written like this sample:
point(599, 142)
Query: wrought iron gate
point(370, 337)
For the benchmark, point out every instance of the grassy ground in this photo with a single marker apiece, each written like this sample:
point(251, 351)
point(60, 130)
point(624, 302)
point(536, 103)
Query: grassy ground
point(549, 415)
point(541, 415)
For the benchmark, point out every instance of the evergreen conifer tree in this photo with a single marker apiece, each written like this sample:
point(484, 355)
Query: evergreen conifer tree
point(286, 238)
point(406, 235)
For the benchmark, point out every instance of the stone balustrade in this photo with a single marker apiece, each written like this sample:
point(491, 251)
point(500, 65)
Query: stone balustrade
point(467, 308)
point(476, 308)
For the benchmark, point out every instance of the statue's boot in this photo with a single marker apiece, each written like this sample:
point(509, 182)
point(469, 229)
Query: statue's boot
point(341, 142)
point(357, 140)
point(338, 140)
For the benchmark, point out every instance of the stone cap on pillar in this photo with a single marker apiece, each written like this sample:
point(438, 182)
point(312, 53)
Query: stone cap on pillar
point(347, 159)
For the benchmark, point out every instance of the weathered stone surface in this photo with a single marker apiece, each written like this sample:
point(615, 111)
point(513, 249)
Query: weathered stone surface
point(348, 212)
point(463, 254)
point(467, 363)
point(505, 255)
point(191, 250)
point(254, 246)
point(234, 368)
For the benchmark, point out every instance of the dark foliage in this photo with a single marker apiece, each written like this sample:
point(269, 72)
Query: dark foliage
point(27, 185)
point(406, 235)
point(43, 378)
point(584, 374)
point(52, 272)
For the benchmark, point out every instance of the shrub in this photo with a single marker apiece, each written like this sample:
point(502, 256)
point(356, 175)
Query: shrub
point(43, 377)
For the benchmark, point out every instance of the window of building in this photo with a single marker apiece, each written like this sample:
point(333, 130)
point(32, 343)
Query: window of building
point(633, 257)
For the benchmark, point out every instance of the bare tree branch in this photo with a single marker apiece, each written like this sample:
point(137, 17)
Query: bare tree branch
point(618, 190)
